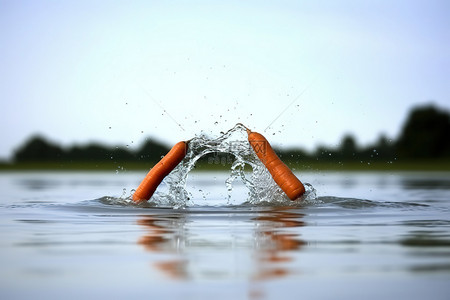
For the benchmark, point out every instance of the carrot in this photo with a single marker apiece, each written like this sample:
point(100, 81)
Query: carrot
point(281, 173)
point(154, 177)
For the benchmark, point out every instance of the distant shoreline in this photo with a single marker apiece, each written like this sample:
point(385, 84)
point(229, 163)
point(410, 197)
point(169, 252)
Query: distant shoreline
point(423, 145)
point(306, 166)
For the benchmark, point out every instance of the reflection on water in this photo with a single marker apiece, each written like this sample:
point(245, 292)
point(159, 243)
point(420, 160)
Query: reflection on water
point(267, 246)
point(37, 184)
point(163, 236)
point(275, 243)
point(426, 183)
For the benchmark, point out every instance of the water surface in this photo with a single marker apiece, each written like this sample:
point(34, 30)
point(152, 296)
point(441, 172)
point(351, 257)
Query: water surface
point(364, 236)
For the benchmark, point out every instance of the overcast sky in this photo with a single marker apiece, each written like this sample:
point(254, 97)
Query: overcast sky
point(120, 71)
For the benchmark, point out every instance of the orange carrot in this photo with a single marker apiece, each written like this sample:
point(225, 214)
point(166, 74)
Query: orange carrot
point(154, 177)
point(281, 173)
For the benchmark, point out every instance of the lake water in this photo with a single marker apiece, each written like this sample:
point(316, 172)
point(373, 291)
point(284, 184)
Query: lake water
point(364, 236)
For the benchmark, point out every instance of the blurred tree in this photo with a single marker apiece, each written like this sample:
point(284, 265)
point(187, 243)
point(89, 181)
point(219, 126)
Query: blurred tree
point(121, 154)
point(38, 148)
point(324, 153)
point(151, 151)
point(348, 149)
point(293, 154)
point(384, 148)
point(426, 134)
point(90, 152)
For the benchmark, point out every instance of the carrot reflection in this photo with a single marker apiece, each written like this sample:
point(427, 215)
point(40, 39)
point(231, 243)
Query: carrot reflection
point(162, 238)
point(264, 250)
point(279, 243)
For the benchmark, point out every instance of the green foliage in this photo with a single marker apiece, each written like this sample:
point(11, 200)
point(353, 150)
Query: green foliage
point(348, 147)
point(425, 136)
point(347, 151)
point(151, 151)
point(38, 149)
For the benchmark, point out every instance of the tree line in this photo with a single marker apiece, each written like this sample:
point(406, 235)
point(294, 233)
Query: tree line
point(425, 135)
point(38, 148)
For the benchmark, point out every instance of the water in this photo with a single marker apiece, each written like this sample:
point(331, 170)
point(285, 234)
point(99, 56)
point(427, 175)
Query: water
point(233, 148)
point(366, 236)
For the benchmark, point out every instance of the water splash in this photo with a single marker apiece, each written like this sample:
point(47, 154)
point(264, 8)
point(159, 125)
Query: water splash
point(245, 166)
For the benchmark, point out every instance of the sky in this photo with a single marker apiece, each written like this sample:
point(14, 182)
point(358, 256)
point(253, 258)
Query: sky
point(303, 73)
